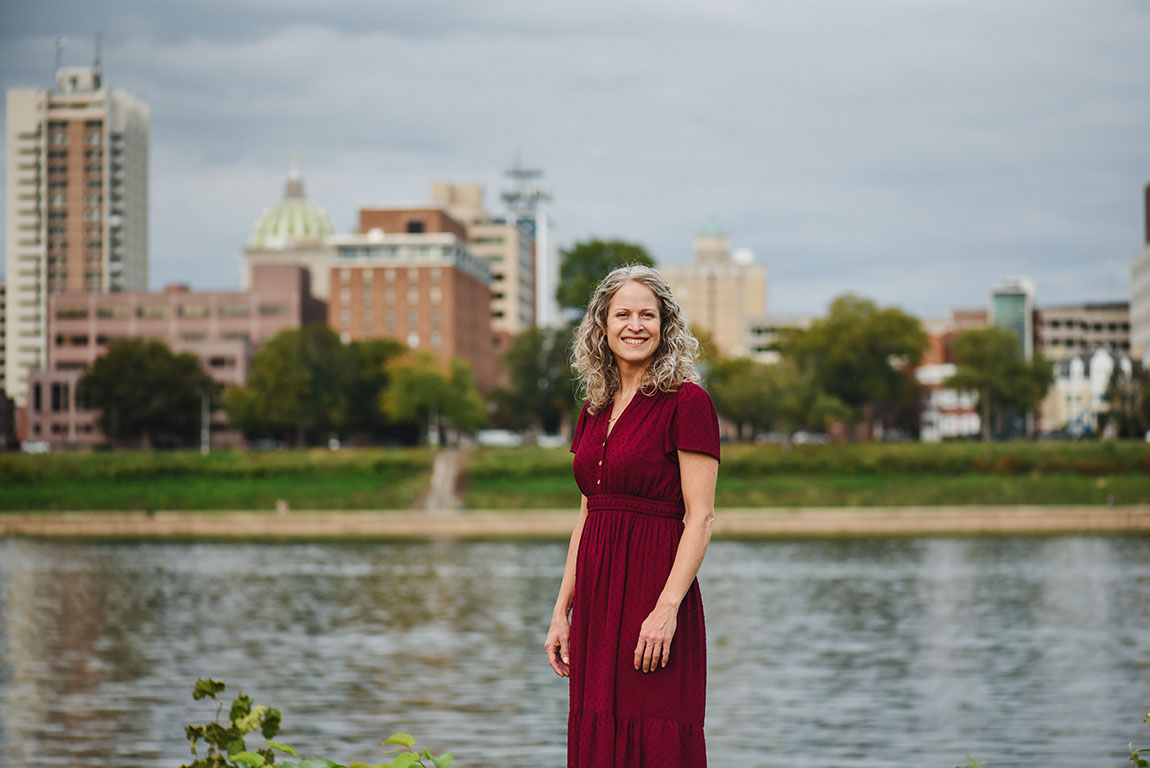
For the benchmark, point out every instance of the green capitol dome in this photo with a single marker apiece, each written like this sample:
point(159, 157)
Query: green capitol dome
point(292, 221)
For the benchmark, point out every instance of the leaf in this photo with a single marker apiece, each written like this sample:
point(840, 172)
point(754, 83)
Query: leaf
point(251, 720)
point(271, 724)
point(248, 758)
point(240, 707)
point(318, 762)
point(403, 739)
point(443, 760)
point(283, 747)
point(206, 687)
point(405, 760)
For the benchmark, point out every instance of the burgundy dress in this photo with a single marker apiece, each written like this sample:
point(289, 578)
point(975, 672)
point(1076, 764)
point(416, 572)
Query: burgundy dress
point(621, 717)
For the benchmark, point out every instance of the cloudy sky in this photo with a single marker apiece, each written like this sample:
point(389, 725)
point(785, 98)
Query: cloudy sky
point(912, 151)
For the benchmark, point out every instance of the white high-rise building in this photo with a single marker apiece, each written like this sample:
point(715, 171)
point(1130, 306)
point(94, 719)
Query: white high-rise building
point(1140, 296)
point(76, 161)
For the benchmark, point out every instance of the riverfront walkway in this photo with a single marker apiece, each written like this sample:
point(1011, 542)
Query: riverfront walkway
point(557, 524)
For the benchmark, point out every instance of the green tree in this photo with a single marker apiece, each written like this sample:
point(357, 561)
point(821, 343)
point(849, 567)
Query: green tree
point(367, 379)
point(757, 396)
point(589, 262)
point(988, 362)
point(298, 386)
point(540, 393)
point(1128, 396)
point(420, 391)
point(859, 355)
point(146, 395)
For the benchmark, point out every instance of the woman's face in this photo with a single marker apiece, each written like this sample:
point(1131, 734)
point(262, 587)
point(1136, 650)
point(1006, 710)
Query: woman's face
point(633, 325)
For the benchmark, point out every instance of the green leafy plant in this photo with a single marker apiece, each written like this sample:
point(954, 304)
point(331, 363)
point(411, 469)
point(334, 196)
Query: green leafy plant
point(225, 742)
point(1136, 758)
point(226, 747)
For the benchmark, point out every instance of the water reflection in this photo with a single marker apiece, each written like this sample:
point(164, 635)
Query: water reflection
point(863, 652)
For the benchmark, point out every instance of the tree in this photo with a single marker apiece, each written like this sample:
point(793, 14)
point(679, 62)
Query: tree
point(859, 355)
point(367, 379)
point(757, 395)
point(298, 386)
point(146, 394)
point(589, 262)
point(989, 362)
point(1128, 395)
point(420, 391)
point(540, 394)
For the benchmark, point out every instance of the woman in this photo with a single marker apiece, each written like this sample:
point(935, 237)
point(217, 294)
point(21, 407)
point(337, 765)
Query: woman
point(646, 458)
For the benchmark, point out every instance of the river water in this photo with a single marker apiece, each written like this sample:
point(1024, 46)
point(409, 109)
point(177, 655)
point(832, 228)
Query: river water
point(852, 652)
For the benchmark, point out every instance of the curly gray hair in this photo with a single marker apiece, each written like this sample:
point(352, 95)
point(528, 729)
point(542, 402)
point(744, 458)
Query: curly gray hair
point(594, 363)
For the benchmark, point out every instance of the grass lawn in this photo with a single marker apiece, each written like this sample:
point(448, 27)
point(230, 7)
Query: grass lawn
point(908, 474)
point(317, 479)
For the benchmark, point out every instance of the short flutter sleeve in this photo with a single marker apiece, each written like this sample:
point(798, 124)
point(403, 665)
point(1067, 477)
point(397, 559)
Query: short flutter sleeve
point(578, 432)
point(694, 426)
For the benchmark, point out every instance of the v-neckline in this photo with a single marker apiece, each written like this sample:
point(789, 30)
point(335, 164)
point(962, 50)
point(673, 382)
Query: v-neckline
point(611, 427)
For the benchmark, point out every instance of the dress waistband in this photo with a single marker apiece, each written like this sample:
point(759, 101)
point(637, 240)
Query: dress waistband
point(621, 502)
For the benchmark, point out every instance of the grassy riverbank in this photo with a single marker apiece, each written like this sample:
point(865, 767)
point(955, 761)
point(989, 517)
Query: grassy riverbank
point(759, 476)
point(905, 474)
point(127, 480)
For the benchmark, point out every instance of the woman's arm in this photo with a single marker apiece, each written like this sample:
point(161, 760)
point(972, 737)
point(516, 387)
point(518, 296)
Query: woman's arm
point(699, 473)
point(560, 630)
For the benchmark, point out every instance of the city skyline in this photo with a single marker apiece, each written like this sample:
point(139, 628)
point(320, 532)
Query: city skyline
point(911, 154)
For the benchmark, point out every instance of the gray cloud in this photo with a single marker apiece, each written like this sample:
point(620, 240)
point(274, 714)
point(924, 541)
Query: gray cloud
point(913, 152)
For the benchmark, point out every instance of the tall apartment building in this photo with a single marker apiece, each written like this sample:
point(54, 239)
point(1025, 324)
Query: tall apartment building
point(1012, 308)
point(411, 276)
point(1075, 329)
point(223, 329)
point(509, 251)
point(1140, 294)
point(76, 197)
point(720, 292)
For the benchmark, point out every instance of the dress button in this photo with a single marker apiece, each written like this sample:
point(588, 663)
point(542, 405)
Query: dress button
point(600, 462)
point(598, 481)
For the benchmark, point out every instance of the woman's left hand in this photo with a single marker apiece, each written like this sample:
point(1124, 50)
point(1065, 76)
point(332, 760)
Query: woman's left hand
point(654, 648)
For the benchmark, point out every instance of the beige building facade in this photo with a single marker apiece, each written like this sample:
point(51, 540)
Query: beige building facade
point(1065, 331)
point(508, 251)
point(1140, 293)
point(721, 293)
point(76, 200)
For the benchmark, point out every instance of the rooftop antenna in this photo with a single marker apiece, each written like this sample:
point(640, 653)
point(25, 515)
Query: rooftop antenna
point(60, 43)
point(96, 62)
point(525, 198)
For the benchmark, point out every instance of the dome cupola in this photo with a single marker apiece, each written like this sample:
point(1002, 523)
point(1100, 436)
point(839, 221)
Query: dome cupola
point(292, 221)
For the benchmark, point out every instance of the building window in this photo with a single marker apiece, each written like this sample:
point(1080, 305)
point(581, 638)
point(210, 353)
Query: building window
point(436, 340)
point(152, 312)
point(274, 310)
point(345, 296)
point(71, 313)
point(59, 397)
point(192, 337)
point(235, 310)
point(367, 276)
point(222, 362)
point(194, 310)
point(415, 227)
point(412, 296)
point(92, 214)
point(236, 336)
point(389, 273)
point(413, 274)
point(413, 339)
point(436, 294)
point(366, 319)
point(344, 318)
point(345, 276)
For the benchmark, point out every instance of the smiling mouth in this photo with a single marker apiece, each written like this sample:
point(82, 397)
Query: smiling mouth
point(634, 342)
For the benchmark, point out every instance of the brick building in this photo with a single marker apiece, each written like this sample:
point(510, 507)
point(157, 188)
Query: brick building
point(222, 329)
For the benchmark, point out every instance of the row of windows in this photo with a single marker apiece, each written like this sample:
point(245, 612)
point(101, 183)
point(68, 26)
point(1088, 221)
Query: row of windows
point(159, 311)
point(435, 295)
point(1084, 344)
point(1082, 325)
point(389, 274)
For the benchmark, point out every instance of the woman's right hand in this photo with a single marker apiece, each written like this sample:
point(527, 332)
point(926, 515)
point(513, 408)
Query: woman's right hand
point(556, 645)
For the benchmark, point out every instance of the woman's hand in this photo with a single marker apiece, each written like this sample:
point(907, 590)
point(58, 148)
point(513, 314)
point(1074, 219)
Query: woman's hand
point(654, 648)
point(556, 645)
